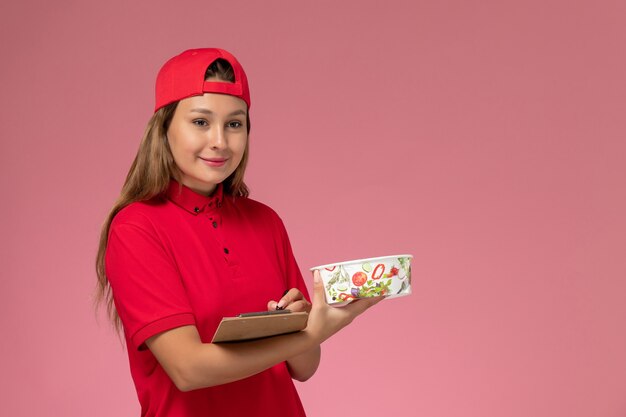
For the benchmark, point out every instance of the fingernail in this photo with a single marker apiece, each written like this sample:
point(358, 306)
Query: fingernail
point(316, 276)
point(281, 305)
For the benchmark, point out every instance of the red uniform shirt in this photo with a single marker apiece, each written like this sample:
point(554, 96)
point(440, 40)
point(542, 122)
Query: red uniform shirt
point(189, 259)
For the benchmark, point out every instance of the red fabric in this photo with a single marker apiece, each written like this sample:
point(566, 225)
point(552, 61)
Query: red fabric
point(167, 264)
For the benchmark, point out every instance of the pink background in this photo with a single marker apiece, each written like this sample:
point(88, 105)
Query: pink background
point(485, 137)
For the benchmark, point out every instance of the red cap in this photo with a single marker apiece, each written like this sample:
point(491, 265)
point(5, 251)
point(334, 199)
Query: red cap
point(183, 76)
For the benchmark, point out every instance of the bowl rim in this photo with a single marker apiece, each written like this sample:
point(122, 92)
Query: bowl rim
point(360, 261)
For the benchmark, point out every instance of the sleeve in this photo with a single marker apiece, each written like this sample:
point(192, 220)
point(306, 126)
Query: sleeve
point(293, 276)
point(148, 292)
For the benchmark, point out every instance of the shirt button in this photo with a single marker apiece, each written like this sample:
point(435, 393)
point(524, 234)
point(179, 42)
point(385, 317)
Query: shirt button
point(215, 224)
point(226, 251)
point(196, 209)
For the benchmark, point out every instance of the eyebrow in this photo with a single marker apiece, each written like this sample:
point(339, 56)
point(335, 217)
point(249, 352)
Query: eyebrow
point(207, 111)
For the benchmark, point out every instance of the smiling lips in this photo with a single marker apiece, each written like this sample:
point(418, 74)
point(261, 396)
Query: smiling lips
point(214, 162)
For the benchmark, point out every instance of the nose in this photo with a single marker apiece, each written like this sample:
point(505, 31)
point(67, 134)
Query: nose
point(217, 137)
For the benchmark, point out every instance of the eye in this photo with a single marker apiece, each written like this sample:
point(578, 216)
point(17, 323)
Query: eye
point(200, 122)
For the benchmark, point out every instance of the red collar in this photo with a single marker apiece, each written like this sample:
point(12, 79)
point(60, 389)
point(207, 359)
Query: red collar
point(193, 202)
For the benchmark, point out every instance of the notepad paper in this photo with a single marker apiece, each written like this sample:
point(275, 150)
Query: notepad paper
point(232, 329)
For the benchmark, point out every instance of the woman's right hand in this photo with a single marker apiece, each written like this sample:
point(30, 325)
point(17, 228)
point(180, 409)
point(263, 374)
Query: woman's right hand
point(325, 320)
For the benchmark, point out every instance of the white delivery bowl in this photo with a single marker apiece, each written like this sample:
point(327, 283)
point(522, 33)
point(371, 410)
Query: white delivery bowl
point(389, 276)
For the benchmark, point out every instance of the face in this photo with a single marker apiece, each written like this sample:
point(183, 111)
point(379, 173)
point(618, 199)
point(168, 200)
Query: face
point(207, 137)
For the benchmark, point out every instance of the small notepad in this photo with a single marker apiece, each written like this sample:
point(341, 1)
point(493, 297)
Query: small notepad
point(251, 326)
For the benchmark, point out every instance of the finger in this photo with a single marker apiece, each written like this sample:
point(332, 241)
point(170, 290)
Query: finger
point(318, 288)
point(289, 297)
point(271, 305)
point(359, 306)
point(294, 294)
point(300, 305)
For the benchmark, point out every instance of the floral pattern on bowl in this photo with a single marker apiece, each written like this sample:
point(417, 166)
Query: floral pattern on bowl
point(388, 276)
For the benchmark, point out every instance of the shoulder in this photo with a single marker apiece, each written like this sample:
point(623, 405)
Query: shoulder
point(259, 214)
point(142, 214)
point(253, 207)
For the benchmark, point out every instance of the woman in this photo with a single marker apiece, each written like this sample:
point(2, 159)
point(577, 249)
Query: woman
point(184, 246)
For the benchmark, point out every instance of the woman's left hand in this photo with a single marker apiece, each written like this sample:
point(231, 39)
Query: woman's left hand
point(293, 300)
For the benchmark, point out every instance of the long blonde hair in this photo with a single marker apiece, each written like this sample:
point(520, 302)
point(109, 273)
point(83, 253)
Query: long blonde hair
point(149, 177)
